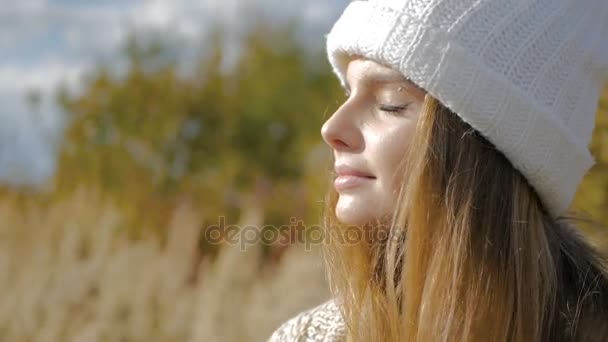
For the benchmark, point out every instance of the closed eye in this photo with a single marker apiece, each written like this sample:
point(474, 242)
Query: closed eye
point(393, 109)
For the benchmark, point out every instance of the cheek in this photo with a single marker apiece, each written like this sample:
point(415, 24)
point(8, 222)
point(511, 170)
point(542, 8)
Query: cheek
point(390, 152)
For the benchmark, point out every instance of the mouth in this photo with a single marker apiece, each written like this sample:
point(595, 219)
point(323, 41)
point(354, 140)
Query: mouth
point(343, 182)
point(345, 170)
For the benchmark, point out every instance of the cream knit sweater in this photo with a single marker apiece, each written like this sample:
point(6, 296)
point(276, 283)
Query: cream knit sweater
point(321, 323)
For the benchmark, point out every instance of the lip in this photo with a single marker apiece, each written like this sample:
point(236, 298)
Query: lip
point(345, 170)
point(349, 177)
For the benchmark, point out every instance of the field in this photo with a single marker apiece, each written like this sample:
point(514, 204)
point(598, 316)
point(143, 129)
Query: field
point(68, 273)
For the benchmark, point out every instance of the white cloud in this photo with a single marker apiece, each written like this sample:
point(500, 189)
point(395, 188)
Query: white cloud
point(25, 5)
point(44, 77)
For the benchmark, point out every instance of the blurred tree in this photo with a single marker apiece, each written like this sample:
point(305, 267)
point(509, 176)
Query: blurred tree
point(591, 199)
point(228, 139)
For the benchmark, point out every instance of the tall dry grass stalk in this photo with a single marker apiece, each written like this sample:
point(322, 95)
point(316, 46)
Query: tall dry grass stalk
point(69, 272)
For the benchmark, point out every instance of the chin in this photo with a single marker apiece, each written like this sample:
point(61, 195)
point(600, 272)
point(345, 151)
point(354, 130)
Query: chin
point(355, 211)
point(352, 215)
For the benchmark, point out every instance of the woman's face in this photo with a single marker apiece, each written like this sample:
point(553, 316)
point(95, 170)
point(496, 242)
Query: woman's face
point(369, 135)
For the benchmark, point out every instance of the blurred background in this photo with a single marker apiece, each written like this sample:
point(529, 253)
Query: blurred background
point(128, 128)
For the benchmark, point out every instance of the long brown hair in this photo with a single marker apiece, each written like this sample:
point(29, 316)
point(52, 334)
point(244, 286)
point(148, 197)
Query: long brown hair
point(470, 253)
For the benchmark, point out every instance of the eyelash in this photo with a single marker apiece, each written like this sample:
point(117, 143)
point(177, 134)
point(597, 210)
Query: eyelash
point(393, 109)
point(385, 108)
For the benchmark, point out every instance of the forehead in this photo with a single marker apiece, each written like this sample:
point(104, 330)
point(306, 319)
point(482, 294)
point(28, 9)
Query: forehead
point(364, 72)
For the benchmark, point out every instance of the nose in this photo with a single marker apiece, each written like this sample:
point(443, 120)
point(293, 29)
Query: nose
point(341, 131)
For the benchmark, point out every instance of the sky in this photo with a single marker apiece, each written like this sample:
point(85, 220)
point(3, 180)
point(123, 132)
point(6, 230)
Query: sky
point(45, 43)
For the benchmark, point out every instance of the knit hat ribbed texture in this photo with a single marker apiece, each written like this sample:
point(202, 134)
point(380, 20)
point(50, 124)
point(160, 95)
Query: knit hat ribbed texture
point(526, 74)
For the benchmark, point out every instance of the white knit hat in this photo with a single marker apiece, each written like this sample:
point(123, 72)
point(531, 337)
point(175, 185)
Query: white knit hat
point(526, 74)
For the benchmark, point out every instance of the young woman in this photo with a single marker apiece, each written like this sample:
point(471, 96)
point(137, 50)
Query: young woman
point(457, 153)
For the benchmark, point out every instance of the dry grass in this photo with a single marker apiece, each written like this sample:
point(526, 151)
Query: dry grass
point(68, 273)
